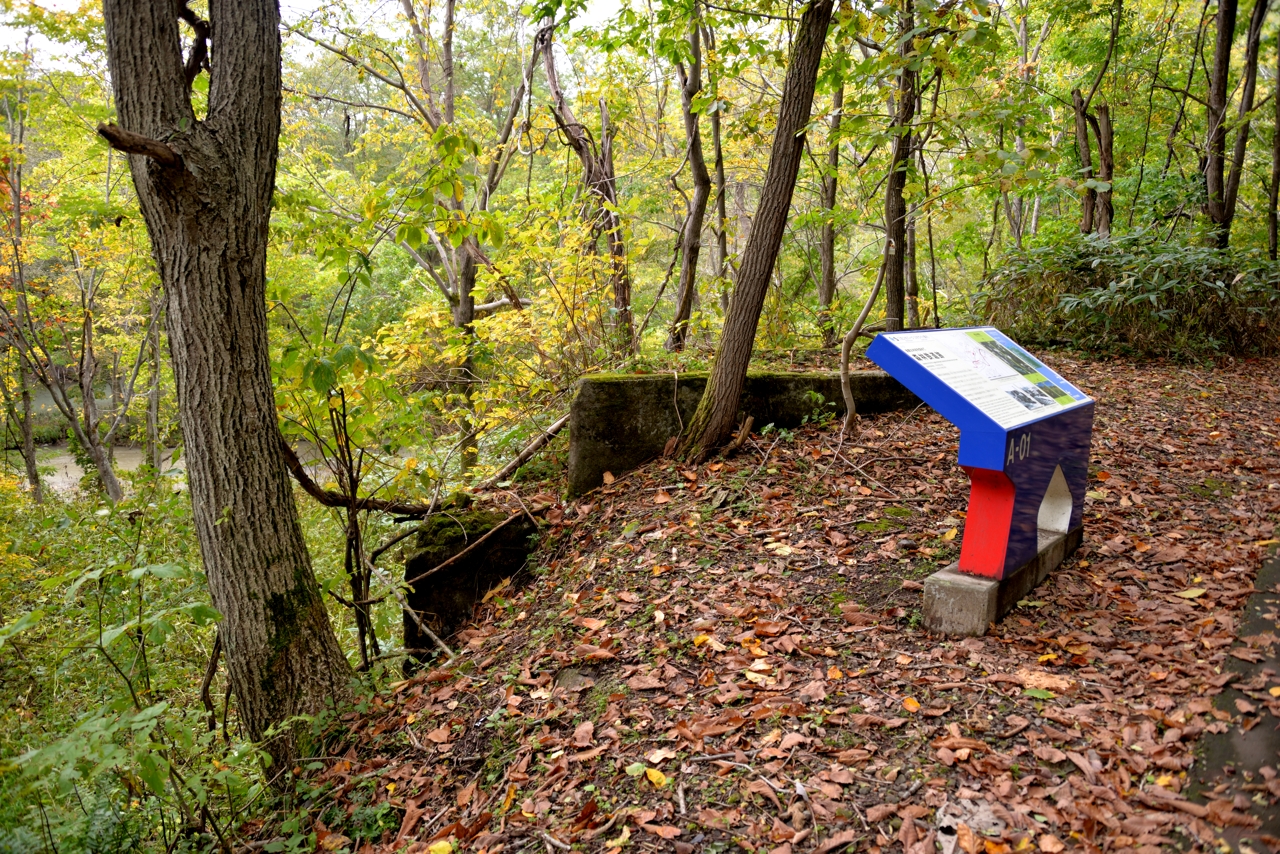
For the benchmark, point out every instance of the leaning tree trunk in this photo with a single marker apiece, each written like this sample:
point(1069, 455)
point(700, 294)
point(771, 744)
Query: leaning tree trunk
point(895, 206)
point(713, 421)
point(827, 246)
point(205, 193)
point(691, 240)
point(1273, 197)
point(1089, 201)
point(1215, 206)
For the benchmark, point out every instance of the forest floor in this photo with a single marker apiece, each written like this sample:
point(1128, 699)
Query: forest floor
point(730, 657)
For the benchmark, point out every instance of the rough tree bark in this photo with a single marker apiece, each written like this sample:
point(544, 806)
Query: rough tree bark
point(713, 421)
point(1215, 206)
point(895, 207)
point(827, 246)
point(691, 239)
point(598, 178)
point(205, 188)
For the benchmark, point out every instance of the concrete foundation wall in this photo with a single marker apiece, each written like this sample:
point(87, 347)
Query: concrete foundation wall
point(619, 421)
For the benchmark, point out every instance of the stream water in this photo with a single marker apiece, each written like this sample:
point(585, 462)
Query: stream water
point(60, 472)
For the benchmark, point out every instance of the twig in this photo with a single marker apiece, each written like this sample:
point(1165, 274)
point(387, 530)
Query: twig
point(555, 843)
point(210, 671)
point(330, 498)
point(740, 439)
point(538, 443)
point(603, 829)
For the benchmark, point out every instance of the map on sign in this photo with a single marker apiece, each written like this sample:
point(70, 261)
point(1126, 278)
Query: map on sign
point(988, 369)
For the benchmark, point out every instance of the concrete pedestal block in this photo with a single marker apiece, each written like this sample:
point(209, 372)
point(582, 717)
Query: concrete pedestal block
point(956, 603)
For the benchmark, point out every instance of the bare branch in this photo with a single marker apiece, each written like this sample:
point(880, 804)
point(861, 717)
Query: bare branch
point(332, 498)
point(360, 105)
point(135, 143)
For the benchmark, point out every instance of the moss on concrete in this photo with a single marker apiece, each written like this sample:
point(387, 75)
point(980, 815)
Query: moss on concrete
point(445, 599)
point(619, 421)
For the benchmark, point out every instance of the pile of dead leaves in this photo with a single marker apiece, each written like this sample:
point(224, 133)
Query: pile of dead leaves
point(729, 656)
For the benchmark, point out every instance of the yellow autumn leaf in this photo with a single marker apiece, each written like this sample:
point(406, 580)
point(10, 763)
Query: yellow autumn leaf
point(911, 704)
point(441, 847)
point(1193, 593)
point(951, 535)
point(1275, 691)
point(656, 777)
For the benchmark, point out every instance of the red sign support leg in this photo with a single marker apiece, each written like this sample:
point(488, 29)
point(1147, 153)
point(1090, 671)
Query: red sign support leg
point(986, 529)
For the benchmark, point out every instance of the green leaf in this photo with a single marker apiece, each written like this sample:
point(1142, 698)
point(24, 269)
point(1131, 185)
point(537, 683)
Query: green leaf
point(1039, 693)
point(20, 625)
point(202, 614)
point(153, 770)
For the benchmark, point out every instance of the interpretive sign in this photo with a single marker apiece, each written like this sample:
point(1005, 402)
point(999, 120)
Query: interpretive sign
point(1024, 436)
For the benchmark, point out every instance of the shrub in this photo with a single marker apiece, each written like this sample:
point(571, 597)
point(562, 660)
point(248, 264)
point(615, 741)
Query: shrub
point(1136, 294)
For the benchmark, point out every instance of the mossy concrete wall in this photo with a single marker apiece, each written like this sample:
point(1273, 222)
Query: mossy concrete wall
point(445, 599)
point(619, 421)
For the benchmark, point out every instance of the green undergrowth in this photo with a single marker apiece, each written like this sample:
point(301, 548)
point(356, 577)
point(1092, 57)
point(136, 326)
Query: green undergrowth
point(1136, 294)
point(105, 633)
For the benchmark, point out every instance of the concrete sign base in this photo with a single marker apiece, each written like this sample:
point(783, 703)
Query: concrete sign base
point(957, 603)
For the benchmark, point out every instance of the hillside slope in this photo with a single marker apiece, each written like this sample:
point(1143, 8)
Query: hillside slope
point(730, 657)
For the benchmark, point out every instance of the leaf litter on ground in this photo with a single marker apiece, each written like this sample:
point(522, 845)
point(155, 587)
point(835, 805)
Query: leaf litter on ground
point(731, 656)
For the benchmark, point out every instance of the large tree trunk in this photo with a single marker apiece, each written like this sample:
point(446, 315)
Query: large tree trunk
point(1273, 199)
point(1215, 206)
point(827, 246)
point(713, 421)
point(895, 207)
point(1253, 44)
point(1089, 201)
point(691, 239)
point(598, 178)
point(205, 192)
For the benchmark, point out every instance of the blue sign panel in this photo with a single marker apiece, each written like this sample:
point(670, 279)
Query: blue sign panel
point(1024, 436)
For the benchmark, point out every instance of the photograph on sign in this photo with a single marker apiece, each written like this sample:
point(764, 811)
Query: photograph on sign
point(993, 373)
